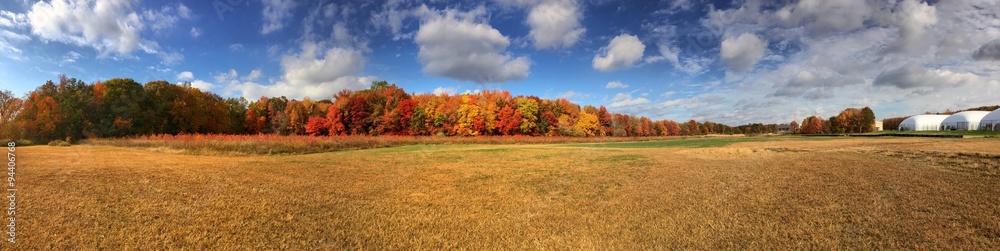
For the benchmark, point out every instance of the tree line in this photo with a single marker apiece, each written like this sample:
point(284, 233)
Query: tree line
point(851, 120)
point(72, 109)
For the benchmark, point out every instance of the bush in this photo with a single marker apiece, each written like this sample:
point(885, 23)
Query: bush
point(58, 143)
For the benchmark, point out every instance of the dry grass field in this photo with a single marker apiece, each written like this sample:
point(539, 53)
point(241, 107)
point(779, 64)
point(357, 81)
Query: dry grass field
point(841, 193)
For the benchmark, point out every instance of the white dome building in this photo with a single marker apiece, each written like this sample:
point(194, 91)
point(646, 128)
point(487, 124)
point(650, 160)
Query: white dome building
point(963, 121)
point(922, 123)
point(990, 122)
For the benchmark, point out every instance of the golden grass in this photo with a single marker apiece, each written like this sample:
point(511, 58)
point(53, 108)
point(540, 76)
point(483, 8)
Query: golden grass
point(830, 194)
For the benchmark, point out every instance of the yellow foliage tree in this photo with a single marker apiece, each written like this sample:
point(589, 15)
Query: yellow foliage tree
point(587, 124)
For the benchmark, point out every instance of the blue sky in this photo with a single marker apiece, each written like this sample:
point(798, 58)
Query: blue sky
point(733, 62)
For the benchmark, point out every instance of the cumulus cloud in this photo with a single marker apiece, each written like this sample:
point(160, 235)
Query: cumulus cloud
point(276, 13)
point(615, 85)
point(107, 25)
point(625, 99)
point(822, 17)
point(989, 51)
point(913, 76)
point(912, 18)
point(623, 52)
point(202, 85)
point(195, 32)
point(555, 24)
point(316, 72)
point(454, 45)
point(742, 52)
point(185, 76)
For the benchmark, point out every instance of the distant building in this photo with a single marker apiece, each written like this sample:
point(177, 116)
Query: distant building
point(784, 128)
point(967, 120)
point(878, 126)
point(922, 123)
point(991, 122)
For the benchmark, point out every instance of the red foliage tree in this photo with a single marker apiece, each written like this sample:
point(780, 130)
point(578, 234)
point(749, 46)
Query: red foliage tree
point(550, 120)
point(509, 120)
point(405, 113)
point(335, 120)
point(317, 126)
point(357, 114)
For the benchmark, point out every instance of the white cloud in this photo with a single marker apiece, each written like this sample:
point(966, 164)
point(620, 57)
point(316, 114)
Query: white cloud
point(107, 25)
point(195, 32)
point(185, 76)
point(70, 58)
point(615, 85)
point(622, 52)
point(742, 52)
point(9, 35)
point(236, 47)
point(276, 13)
point(445, 90)
point(913, 76)
point(823, 17)
point(13, 20)
point(690, 65)
point(202, 85)
point(912, 19)
point(171, 58)
point(315, 72)
point(555, 24)
point(667, 52)
point(454, 45)
point(184, 11)
point(254, 75)
point(160, 21)
point(625, 100)
point(571, 94)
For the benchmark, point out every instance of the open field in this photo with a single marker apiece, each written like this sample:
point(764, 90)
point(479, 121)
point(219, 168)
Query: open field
point(216, 144)
point(751, 193)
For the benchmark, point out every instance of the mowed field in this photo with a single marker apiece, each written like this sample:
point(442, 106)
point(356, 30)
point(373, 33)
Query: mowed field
point(788, 193)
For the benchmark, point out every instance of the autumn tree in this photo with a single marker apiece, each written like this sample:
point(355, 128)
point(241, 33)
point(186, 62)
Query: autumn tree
point(509, 120)
point(335, 121)
point(587, 124)
point(256, 117)
point(356, 120)
point(405, 112)
point(794, 127)
point(527, 107)
point(279, 120)
point(10, 106)
point(812, 125)
point(317, 126)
